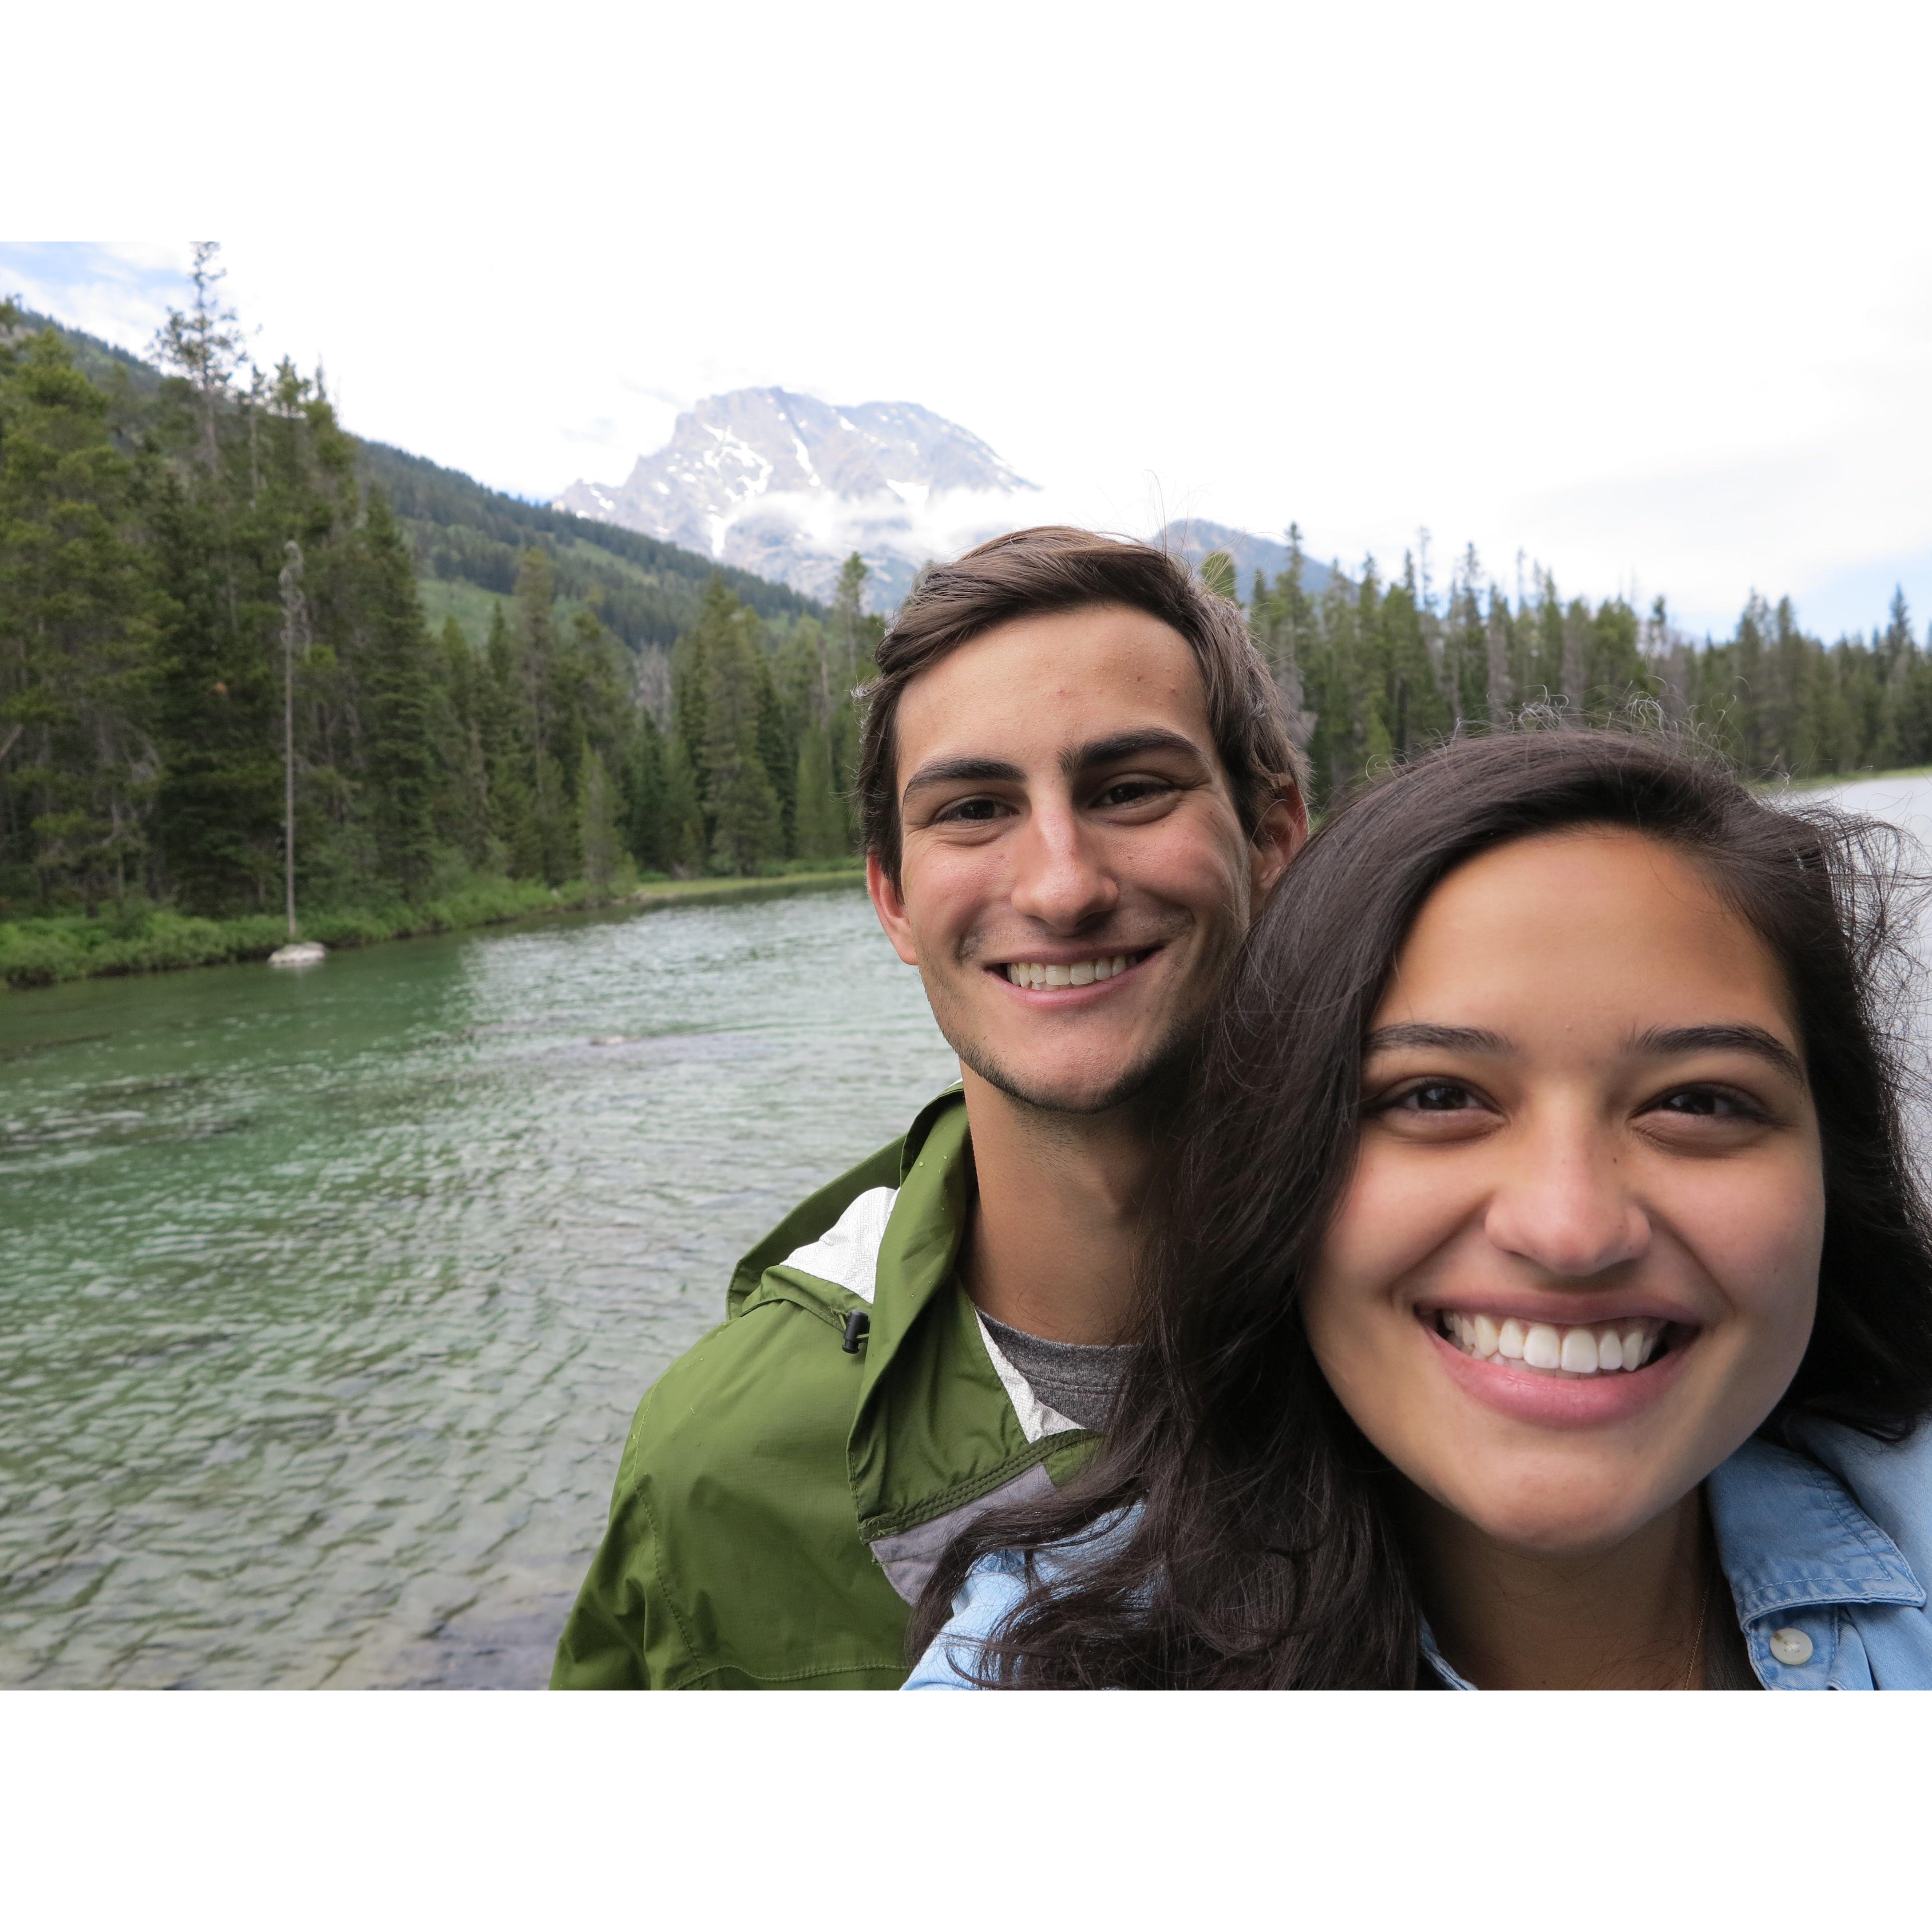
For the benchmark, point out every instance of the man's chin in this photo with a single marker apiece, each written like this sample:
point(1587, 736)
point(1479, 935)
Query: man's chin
point(1085, 1090)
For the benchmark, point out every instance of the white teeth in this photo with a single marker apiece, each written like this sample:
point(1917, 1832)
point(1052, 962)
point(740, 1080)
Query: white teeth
point(1029, 973)
point(1542, 1347)
point(1579, 1351)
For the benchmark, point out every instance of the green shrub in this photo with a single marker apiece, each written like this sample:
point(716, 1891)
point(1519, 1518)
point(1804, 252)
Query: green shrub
point(38, 959)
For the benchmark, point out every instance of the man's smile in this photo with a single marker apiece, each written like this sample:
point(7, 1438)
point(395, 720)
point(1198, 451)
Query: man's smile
point(1066, 971)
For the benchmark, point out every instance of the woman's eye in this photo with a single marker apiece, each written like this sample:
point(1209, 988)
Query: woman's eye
point(1436, 1096)
point(1707, 1103)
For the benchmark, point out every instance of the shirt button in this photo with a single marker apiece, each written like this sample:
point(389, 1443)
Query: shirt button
point(1791, 1646)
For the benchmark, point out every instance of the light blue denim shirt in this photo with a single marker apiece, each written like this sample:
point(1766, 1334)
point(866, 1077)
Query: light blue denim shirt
point(1823, 1552)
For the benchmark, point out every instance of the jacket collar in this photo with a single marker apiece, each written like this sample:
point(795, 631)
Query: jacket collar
point(921, 1239)
point(1791, 1534)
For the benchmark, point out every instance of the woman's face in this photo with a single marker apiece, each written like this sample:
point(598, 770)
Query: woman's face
point(1577, 1262)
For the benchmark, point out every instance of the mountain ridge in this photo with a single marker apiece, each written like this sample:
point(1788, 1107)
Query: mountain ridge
point(780, 483)
point(468, 538)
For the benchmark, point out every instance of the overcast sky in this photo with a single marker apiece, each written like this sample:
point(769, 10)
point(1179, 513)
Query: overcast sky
point(1643, 291)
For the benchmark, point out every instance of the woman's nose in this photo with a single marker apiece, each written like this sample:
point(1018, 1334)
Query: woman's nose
point(1061, 880)
point(1565, 1207)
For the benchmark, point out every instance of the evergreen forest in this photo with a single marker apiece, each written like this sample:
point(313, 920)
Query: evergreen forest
point(1372, 668)
point(215, 612)
point(219, 612)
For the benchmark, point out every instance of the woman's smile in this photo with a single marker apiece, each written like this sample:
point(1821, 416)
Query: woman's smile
point(1576, 1263)
point(1549, 1383)
point(1593, 1348)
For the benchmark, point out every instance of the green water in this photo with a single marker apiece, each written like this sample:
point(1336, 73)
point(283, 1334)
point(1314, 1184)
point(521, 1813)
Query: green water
point(325, 1297)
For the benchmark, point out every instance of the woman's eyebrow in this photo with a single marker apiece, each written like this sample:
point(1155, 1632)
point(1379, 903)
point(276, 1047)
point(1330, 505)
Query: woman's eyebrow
point(1754, 1039)
point(1444, 1039)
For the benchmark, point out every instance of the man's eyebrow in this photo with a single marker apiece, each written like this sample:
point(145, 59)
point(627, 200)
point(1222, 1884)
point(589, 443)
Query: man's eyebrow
point(963, 771)
point(1122, 745)
point(1446, 1038)
point(1077, 758)
point(1723, 1039)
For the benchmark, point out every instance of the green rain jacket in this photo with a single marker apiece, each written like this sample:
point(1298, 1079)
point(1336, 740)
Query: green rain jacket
point(782, 1501)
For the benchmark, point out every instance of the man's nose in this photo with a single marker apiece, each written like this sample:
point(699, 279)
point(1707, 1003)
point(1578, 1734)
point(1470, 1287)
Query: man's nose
point(1566, 1206)
point(1061, 880)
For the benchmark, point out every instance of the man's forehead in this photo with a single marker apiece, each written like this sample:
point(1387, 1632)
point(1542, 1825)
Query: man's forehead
point(1034, 687)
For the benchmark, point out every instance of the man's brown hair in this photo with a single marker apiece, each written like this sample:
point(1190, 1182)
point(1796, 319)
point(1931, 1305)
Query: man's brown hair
point(1028, 573)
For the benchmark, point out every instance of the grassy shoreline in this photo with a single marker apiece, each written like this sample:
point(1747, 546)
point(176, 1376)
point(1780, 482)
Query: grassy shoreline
point(51, 952)
point(1831, 781)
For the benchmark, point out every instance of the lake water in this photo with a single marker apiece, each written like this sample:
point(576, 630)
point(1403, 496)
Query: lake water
point(325, 1297)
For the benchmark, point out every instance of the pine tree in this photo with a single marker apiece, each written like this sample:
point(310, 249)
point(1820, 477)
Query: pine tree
point(821, 828)
point(399, 748)
point(646, 832)
point(684, 837)
point(746, 826)
point(219, 800)
point(1217, 573)
point(203, 345)
point(552, 817)
point(77, 612)
point(509, 756)
point(463, 808)
point(598, 837)
point(1613, 666)
point(849, 630)
point(777, 754)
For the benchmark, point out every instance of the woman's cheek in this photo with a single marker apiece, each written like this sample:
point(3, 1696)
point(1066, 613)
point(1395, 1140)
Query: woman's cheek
point(1389, 1222)
point(1760, 1239)
point(1398, 1210)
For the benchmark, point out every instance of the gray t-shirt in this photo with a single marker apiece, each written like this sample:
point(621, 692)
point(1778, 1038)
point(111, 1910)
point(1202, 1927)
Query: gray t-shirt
point(1078, 1378)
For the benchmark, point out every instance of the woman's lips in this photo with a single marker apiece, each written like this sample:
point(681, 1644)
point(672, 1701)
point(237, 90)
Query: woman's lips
point(1583, 1349)
point(1557, 1400)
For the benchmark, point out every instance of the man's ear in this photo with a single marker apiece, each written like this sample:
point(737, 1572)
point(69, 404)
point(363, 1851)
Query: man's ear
point(888, 902)
point(1281, 833)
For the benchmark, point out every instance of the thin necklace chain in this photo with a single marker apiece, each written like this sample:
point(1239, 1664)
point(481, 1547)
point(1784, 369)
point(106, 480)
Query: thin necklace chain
point(1697, 1646)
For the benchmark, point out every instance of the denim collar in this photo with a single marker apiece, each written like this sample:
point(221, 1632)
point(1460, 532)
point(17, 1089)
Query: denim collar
point(1790, 1536)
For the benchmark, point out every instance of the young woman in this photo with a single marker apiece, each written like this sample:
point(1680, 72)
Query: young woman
point(1547, 1301)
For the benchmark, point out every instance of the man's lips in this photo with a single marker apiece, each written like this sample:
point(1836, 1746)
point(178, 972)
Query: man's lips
point(1056, 977)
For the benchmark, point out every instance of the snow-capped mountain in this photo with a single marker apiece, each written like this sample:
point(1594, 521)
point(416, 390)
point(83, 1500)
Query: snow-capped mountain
point(789, 487)
point(1195, 537)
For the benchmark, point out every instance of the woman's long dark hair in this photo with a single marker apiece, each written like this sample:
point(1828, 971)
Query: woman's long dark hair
point(1266, 1551)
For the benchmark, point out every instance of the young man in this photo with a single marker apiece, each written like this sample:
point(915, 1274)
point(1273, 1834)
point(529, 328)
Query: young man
point(1077, 791)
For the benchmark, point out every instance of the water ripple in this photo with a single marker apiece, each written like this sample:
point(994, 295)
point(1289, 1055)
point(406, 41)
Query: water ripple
point(325, 1298)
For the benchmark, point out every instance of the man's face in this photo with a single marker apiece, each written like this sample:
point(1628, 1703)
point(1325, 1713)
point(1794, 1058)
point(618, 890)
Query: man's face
point(1074, 875)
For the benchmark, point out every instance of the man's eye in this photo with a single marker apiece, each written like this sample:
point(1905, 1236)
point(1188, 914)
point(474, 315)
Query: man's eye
point(1129, 791)
point(970, 811)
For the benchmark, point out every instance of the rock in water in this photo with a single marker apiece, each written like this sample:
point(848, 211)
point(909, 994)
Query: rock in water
point(303, 953)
